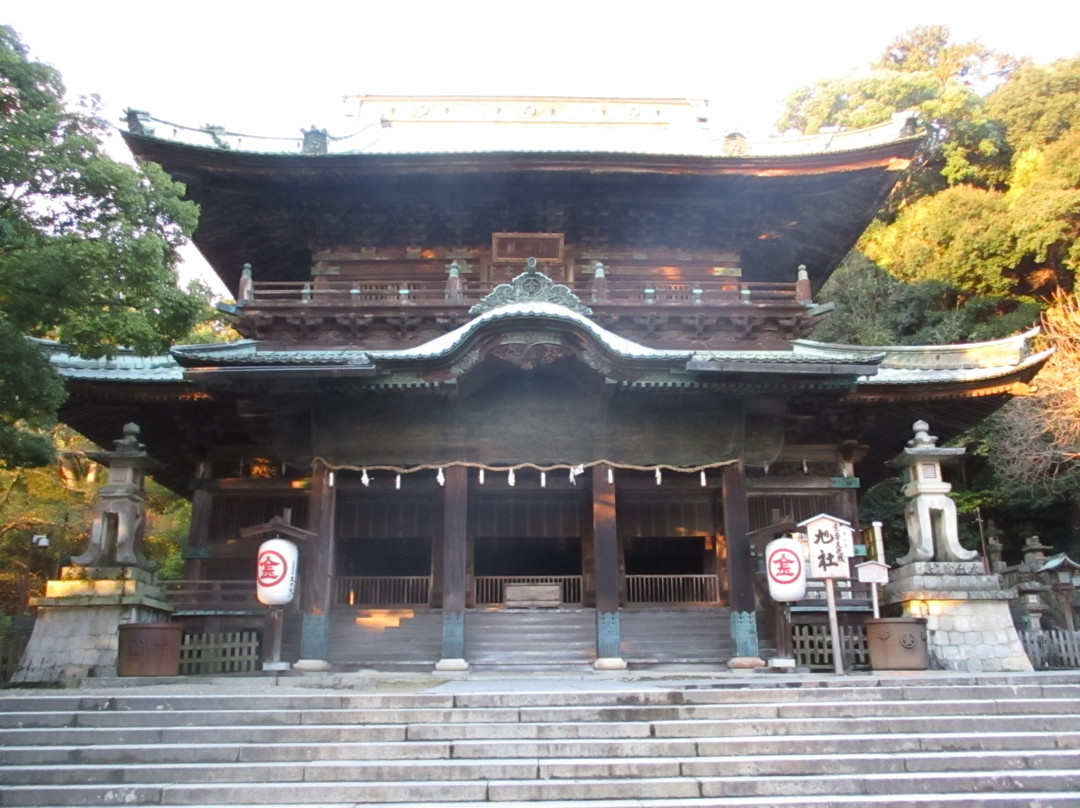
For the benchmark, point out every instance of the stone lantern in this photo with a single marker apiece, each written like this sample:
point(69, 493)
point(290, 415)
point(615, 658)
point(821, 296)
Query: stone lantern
point(930, 513)
point(969, 625)
point(77, 630)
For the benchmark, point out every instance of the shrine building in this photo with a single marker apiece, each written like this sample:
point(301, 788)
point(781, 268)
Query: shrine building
point(533, 374)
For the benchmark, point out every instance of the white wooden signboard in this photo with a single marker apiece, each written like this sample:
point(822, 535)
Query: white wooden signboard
point(831, 546)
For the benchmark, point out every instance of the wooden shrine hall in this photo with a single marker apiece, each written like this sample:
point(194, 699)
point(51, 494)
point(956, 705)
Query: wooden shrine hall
point(532, 373)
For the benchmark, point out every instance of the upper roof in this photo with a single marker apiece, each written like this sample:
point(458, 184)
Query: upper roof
point(635, 187)
point(528, 124)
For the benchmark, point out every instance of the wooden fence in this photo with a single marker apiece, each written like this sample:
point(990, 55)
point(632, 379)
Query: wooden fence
point(228, 652)
point(1051, 649)
point(811, 646)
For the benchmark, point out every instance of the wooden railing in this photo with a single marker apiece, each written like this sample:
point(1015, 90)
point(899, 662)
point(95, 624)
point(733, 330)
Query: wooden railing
point(1051, 649)
point(672, 589)
point(229, 652)
point(404, 590)
point(394, 294)
point(212, 595)
point(489, 588)
point(812, 646)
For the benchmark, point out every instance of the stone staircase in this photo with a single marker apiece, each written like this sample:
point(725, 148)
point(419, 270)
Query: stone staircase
point(917, 740)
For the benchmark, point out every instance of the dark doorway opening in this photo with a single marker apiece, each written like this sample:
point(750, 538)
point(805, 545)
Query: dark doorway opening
point(668, 555)
point(547, 555)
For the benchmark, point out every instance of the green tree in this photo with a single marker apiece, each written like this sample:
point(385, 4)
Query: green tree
point(873, 307)
point(930, 49)
point(1045, 206)
point(1023, 242)
point(56, 500)
point(1039, 104)
point(961, 236)
point(52, 500)
point(925, 73)
point(87, 247)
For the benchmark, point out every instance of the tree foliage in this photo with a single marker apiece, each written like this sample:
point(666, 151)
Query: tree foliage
point(984, 233)
point(87, 246)
point(873, 307)
point(922, 72)
point(930, 49)
point(1038, 105)
point(1022, 241)
point(959, 236)
point(992, 207)
point(56, 500)
point(1034, 442)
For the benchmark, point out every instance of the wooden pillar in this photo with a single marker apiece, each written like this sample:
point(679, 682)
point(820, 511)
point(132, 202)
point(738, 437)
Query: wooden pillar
point(740, 564)
point(606, 572)
point(318, 572)
point(198, 533)
point(436, 567)
point(455, 562)
point(588, 562)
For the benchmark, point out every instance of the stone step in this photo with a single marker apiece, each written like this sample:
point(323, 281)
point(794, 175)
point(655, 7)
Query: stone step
point(860, 725)
point(527, 722)
point(892, 785)
point(762, 689)
point(523, 715)
point(597, 768)
point(210, 702)
point(214, 753)
point(1041, 799)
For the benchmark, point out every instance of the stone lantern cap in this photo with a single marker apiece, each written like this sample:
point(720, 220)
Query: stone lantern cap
point(923, 447)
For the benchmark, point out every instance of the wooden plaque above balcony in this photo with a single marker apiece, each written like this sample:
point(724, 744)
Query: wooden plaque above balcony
point(520, 247)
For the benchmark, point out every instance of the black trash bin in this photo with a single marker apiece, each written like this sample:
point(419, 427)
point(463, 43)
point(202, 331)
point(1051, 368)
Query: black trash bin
point(149, 649)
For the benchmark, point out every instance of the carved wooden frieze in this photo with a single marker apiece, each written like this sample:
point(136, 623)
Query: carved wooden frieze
point(528, 356)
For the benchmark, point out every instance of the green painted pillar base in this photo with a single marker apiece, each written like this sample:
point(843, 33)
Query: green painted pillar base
point(608, 642)
point(453, 642)
point(314, 643)
point(744, 641)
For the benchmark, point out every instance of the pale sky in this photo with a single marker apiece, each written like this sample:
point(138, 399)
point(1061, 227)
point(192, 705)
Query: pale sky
point(271, 68)
point(268, 68)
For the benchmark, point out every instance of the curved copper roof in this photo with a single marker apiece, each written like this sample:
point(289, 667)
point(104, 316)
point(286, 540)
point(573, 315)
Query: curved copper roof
point(775, 211)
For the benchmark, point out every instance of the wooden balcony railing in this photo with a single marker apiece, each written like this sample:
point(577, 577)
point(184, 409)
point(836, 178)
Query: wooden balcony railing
point(612, 292)
point(225, 596)
point(672, 589)
point(489, 588)
point(403, 590)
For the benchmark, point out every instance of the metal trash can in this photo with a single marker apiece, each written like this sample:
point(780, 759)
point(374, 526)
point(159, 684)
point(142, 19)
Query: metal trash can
point(897, 643)
point(149, 649)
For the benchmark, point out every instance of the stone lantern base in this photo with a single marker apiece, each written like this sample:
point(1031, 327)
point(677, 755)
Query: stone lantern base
point(969, 626)
point(76, 633)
